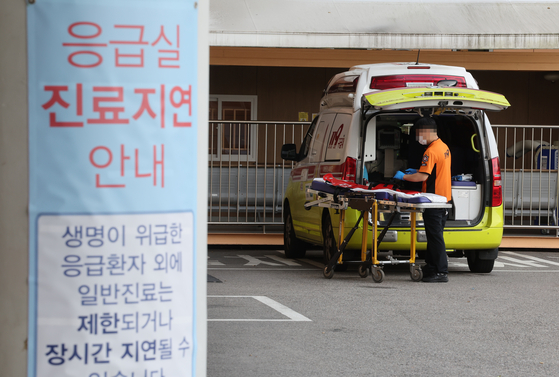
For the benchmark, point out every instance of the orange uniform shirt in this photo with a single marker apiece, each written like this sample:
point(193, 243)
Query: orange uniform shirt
point(436, 163)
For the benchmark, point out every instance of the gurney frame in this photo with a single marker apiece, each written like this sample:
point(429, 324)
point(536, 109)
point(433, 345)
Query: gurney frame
point(366, 203)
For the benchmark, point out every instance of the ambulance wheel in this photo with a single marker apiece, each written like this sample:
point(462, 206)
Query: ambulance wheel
point(378, 275)
point(416, 274)
point(478, 265)
point(363, 271)
point(328, 274)
point(293, 247)
point(329, 242)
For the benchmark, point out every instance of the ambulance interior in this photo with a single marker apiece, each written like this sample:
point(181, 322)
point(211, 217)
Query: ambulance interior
point(390, 145)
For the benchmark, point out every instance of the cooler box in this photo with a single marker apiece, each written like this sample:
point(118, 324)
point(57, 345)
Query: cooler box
point(546, 157)
point(467, 200)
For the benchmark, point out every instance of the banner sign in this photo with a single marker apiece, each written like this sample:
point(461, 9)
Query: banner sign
point(112, 207)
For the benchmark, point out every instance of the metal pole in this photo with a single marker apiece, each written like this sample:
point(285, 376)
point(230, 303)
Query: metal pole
point(265, 170)
point(256, 172)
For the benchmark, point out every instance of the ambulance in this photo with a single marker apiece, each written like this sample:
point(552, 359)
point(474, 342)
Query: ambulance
point(364, 133)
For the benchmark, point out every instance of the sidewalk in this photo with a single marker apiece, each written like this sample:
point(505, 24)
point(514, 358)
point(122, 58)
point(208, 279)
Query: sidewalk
point(512, 239)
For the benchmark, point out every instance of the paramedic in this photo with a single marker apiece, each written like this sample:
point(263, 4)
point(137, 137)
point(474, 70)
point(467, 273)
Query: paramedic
point(434, 173)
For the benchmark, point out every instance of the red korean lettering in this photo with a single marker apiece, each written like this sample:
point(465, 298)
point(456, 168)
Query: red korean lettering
point(140, 40)
point(101, 157)
point(157, 163)
point(171, 56)
point(174, 58)
point(79, 99)
point(185, 98)
point(123, 158)
point(161, 163)
point(54, 123)
point(73, 33)
point(85, 58)
point(103, 111)
point(145, 103)
point(92, 157)
point(98, 163)
point(126, 60)
point(56, 98)
point(162, 99)
point(162, 35)
point(98, 57)
point(136, 166)
point(129, 59)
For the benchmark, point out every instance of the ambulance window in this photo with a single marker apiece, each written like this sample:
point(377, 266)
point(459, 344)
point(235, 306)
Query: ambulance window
point(346, 84)
point(307, 140)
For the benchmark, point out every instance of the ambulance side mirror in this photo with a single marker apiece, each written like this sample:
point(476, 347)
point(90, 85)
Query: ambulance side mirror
point(289, 152)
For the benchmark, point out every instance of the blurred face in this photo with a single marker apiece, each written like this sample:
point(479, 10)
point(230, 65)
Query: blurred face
point(422, 136)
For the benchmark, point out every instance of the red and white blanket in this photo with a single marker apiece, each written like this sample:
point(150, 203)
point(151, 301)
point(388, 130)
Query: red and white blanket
point(387, 188)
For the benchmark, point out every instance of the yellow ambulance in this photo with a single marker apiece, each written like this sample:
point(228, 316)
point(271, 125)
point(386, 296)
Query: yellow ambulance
point(364, 132)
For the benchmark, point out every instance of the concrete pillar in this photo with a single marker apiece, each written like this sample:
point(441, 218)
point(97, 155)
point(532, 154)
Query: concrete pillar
point(14, 249)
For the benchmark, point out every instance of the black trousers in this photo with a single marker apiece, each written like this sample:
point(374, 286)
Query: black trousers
point(435, 257)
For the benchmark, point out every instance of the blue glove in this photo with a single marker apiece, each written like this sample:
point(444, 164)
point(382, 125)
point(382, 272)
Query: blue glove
point(399, 175)
point(411, 171)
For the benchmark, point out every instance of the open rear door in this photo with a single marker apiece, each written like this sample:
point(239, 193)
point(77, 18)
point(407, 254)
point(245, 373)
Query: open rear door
point(447, 98)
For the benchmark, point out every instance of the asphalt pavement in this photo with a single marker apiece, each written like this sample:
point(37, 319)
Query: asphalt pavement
point(272, 316)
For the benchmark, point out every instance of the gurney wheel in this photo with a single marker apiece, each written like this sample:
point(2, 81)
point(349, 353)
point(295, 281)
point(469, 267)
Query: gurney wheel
point(378, 275)
point(328, 274)
point(416, 274)
point(363, 271)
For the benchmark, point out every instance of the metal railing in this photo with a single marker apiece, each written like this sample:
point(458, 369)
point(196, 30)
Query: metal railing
point(247, 177)
point(528, 155)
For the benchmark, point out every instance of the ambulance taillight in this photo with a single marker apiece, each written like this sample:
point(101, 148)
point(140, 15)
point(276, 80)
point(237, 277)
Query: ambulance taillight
point(497, 187)
point(349, 168)
point(410, 81)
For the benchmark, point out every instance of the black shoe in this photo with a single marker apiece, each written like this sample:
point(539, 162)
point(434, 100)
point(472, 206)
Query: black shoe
point(428, 270)
point(436, 278)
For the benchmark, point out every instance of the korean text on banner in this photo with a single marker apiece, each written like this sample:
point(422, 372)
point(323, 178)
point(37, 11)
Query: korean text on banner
point(112, 207)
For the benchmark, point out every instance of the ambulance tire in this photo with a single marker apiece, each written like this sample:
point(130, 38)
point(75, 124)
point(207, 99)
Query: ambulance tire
point(329, 242)
point(293, 247)
point(478, 265)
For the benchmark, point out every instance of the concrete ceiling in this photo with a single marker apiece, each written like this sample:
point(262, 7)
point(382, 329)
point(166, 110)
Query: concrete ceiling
point(395, 24)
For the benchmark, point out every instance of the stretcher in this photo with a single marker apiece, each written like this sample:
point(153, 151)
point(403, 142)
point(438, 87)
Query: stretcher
point(370, 202)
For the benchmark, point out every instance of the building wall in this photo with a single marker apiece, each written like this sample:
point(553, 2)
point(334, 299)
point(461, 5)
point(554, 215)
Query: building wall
point(282, 92)
point(533, 102)
point(533, 99)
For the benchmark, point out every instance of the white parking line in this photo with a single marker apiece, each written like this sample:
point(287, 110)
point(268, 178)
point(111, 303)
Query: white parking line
point(509, 264)
point(254, 261)
point(541, 260)
point(284, 310)
point(523, 262)
point(289, 262)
